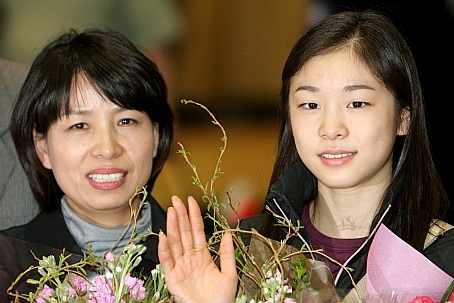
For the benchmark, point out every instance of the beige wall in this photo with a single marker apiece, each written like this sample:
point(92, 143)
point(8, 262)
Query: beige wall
point(235, 49)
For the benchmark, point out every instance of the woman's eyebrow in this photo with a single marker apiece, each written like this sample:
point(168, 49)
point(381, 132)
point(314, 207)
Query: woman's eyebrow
point(308, 88)
point(87, 111)
point(349, 88)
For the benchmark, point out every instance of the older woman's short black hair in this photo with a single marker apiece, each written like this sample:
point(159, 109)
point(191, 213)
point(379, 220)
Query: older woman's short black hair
point(114, 66)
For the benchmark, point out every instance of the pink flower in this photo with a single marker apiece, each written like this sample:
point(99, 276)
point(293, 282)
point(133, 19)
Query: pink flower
point(451, 297)
point(102, 299)
point(72, 293)
point(130, 281)
point(423, 299)
point(100, 291)
point(45, 292)
point(110, 257)
point(136, 288)
point(100, 285)
point(80, 285)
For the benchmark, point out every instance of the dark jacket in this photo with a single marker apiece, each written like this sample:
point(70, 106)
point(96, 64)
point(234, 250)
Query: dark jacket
point(292, 191)
point(50, 230)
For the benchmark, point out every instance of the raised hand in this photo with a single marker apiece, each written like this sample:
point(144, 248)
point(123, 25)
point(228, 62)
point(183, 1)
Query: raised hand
point(190, 272)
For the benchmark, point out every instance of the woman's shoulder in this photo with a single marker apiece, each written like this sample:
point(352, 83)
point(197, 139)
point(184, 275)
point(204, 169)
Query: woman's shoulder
point(252, 222)
point(47, 228)
point(441, 252)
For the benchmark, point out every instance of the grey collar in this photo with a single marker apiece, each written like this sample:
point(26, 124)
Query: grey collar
point(102, 239)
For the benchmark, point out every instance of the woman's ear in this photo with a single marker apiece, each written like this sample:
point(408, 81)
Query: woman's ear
point(155, 138)
point(41, 149)
point(404, 125)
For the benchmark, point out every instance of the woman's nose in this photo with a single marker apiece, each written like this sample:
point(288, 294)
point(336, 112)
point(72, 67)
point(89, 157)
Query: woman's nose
point(107, 145)
point(333, 125)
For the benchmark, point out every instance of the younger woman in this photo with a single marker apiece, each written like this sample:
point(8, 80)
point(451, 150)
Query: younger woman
point(353, 153)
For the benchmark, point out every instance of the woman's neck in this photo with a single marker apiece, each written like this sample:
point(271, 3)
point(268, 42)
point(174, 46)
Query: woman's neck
point(107, 218)
point(345, 213)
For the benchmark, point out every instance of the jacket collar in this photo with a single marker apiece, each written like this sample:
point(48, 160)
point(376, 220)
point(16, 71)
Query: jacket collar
point(294, 189)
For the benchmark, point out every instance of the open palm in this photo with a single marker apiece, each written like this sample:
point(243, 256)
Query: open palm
point(190, 273)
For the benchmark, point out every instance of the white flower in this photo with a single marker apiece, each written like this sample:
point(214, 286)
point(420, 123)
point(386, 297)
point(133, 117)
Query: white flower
point(109, 275)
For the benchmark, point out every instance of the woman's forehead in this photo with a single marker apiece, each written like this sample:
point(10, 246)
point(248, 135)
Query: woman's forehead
point(83, 90)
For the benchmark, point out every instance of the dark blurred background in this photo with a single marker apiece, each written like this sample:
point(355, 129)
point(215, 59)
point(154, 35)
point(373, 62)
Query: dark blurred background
point(228, 55)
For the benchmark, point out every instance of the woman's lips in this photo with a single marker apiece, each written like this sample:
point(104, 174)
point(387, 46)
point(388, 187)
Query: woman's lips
point(336, 158)
point(107, 178)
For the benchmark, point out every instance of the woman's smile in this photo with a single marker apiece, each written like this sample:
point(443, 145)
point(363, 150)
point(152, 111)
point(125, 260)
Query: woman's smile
point(336, 159)
point(102, 178)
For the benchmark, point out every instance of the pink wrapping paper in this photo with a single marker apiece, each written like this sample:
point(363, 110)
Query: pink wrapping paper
point(397, 273)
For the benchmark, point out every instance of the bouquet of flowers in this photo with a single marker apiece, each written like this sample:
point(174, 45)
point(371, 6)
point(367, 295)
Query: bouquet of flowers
point(92, 279)
point(391, 278)
point(109, 280)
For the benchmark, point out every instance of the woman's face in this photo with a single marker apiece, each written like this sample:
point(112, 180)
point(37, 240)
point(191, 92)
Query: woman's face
point(343, 121)
point(99, 155)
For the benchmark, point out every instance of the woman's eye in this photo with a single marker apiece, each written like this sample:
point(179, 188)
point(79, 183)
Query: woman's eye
point(79, 126)
point(356, 104)
point(310, 105)
point(127, 121)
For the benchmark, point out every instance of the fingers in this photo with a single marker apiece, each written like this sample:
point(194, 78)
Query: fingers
point(184, 225)
point(197, 225)
point(164, 254)
point(185, 268)
point(173, 242)
point(185, 232)
point(227, 256)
